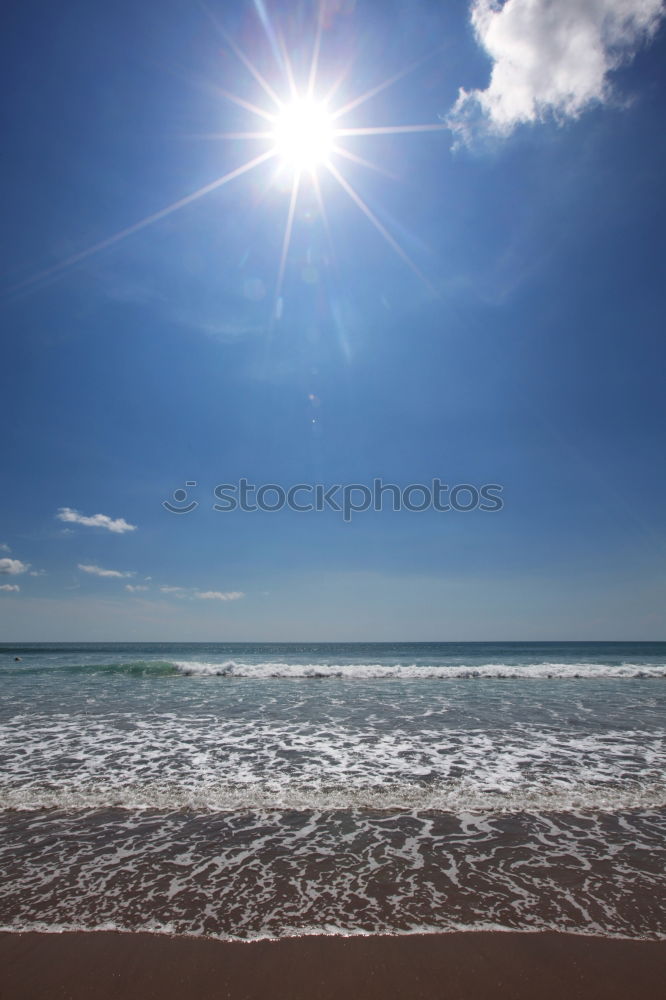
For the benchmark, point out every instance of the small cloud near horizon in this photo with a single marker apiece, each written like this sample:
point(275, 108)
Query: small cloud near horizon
point(99, 571)
point(135, 587)
point(13, 567)
point(9, 586)
point(216, 595)
point(116, 525)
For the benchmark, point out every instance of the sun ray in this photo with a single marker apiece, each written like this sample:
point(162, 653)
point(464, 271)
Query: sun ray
point(143, 223)
point(388, 82)
point(389, 130)
point(362, 162)
point(249, 65)
point(262, 14)
point(287, 238)
point(338, 81)
point(254, 108)
point(322, 208)
point(314, 64)
point(288, 70)
point(228, 135)
point(358, 201)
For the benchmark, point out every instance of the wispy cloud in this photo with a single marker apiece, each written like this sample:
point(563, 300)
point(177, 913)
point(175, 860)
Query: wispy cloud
point(172, 590)
point(98, 571)
point(9, 586)
point(37, 572)
point(4, 548)
point(135, 588)
point(117, 525)
point(549, 58)
point(13, 567)
point(216, 595)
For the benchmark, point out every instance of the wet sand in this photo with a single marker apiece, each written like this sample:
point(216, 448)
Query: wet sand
point(465, 966)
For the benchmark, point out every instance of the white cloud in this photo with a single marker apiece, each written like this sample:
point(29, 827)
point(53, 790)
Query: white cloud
point(216, 595)
point(117, 525)
point(4, 548)
point(37, 572)
point(9, 586)
point(13, 566)
point(135, 588)
point(205, 595)
point(98, 571)
point(550, 57)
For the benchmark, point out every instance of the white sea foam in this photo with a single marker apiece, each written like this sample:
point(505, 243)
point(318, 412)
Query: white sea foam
point(334, 873)
point(206, 763)
point(383, 671)
point(456, 797)
point(329, 930)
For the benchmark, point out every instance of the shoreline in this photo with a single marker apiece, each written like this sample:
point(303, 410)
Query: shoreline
point(467, 965)
point(55, 930)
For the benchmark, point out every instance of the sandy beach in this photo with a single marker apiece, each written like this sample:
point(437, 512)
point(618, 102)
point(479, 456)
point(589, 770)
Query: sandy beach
point(465, 966)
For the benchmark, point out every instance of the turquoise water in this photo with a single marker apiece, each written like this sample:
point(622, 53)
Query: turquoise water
point(336, 787)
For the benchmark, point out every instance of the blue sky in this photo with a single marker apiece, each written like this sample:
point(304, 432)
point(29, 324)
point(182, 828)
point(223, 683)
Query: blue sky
point(528, 351)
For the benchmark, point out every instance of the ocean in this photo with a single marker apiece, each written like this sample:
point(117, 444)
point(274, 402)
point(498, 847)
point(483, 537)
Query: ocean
point(244, 791)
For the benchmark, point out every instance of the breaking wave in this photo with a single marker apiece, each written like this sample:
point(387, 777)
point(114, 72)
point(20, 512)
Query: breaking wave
point(383, 671)
point(343, 671)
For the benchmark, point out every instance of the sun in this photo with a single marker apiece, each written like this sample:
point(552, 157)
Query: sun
point(304, 134)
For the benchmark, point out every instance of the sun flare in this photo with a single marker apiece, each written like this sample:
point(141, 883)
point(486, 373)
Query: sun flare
point(304, 134)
